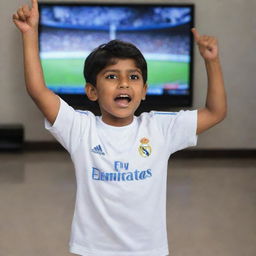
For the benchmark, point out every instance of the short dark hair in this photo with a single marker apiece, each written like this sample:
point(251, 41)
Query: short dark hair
point(107, 54)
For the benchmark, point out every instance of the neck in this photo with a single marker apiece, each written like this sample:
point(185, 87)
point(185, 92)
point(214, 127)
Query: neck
point(116, 121)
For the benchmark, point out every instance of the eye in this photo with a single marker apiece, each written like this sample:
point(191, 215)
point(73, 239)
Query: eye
point(111, 76)
point(134, 77)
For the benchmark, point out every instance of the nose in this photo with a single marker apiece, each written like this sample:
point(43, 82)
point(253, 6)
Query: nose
point(123, 84)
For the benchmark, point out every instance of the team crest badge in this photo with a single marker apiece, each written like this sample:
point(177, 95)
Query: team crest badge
point(144, 148)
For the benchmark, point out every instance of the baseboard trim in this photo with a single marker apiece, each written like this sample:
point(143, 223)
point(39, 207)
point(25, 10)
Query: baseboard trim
point(186, 153)
point(42, 146)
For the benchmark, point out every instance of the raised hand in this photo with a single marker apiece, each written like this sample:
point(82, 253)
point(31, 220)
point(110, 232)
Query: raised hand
point(26, 18)
point(208, 45)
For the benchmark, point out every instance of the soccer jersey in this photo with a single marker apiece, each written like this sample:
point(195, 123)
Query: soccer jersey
point(121, 175)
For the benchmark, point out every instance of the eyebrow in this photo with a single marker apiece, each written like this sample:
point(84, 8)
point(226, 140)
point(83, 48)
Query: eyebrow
point(118, 71)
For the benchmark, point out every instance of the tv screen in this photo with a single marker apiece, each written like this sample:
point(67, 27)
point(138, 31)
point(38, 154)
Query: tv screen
point(70, 31)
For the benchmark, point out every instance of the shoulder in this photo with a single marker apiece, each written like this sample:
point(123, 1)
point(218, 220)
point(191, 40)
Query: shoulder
point(160, 120)
point(153, 113)
point(69, 116)
point(158, 115)
point(168, 119)
point(84, 113)
point(66, 108)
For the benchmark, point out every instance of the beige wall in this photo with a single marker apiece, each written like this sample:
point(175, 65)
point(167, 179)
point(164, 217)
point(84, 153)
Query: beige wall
point(233, 22)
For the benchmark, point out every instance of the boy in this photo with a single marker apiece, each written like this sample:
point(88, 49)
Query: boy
point(120, 160)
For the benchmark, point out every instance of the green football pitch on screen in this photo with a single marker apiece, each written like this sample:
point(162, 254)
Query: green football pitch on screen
point(69, 72)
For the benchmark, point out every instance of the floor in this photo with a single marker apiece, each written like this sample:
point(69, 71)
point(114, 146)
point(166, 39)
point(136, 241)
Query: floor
point(211, 207)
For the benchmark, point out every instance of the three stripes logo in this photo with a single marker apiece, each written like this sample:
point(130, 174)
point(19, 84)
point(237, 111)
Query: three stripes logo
point(98, 150)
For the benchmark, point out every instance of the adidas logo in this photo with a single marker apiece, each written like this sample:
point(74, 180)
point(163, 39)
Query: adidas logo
point(98, 150)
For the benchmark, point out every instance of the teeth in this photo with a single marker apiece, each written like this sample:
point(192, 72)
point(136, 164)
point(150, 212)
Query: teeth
point(124, 96)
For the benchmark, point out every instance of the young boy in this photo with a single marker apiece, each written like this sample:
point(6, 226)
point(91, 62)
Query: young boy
point(120, 159)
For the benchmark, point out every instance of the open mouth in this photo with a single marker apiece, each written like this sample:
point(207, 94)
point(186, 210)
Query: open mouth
point(123, 100)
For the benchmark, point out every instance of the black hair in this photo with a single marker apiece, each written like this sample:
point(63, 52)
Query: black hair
point(107, 54)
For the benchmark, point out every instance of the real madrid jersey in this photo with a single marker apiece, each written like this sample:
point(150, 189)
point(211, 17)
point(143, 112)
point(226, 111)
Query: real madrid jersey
point(121, 176)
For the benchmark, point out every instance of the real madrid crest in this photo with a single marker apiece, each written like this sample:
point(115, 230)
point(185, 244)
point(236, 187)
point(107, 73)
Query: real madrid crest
point(144, 148)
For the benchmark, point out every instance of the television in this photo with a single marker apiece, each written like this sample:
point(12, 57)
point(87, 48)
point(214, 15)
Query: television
point(68, 32)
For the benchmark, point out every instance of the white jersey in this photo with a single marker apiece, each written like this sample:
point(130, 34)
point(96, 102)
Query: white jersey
point(121, 176)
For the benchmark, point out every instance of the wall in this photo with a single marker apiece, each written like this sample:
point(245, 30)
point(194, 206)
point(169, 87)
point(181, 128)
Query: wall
point(232, 22)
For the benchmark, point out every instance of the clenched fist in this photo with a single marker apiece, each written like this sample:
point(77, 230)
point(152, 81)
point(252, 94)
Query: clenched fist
point(26, 19)
point(208, 45)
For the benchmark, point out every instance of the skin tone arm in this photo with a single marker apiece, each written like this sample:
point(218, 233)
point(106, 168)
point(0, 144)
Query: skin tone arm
point(26, 19)
point(215, 109)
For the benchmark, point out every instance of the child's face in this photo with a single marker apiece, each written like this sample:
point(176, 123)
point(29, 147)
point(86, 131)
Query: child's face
point(119, 91)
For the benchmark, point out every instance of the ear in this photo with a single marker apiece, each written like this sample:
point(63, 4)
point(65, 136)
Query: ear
point(145, 87)
point(91, 92)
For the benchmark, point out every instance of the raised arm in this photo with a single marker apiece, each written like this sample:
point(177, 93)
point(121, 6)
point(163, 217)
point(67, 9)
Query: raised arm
point(215, 109)
point(26, 19)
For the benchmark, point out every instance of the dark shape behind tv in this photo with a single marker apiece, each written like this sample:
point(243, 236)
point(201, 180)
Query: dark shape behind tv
point(68, 32)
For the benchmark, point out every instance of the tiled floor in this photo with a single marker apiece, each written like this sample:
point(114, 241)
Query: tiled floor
point(211, 207)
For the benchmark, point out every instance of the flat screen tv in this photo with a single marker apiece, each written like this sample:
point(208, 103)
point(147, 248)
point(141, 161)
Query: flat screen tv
point(68, 32)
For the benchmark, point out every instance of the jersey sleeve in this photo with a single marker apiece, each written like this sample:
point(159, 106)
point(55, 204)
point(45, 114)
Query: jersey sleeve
point(178, 128)
point(69, 127)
